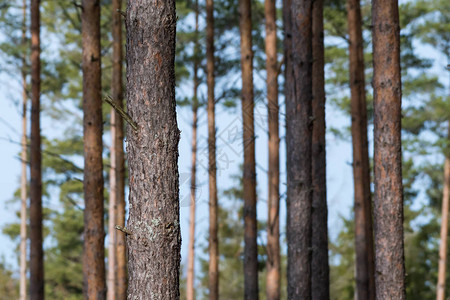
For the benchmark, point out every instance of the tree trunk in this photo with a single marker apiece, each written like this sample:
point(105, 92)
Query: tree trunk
point(249, 176)
point(155, 239)
point(36, 239)
point(319, 263)
point(365, 276)
point(388, 197)
point(94, 232)
point(212, 167)
point(444, 228)
point(273, 226)
point(190, 294)
point(298, 147)
point(23, 178)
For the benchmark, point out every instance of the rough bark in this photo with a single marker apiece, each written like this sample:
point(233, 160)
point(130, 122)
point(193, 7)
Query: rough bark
point(273, 226)
point(444, 228)
point(94, 232)
point(155, 239)
point(319, 263)
point(36, 239)
point(190, 294)
point(249, 175)
point(117, 277)
point(388, 197)
point(298, 147)
point(365, 266)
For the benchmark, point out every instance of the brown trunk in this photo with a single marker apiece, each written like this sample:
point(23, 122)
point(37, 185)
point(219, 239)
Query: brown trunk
point(249, 176)
point(388, 197)
point(298, 147)
point(319, 263)
point(23, 178)
point(154, 222)
point(190, 294)
point(117, 277)
point(365, 276)
point(273, 226)
point(210, 80)
point(94, 232)
point(36, 239)
point(444, 228)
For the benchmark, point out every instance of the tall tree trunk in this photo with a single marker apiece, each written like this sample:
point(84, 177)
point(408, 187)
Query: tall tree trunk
point(36, 239)
point(94, 232)
point(249, 176)
point(298, 147)
point(117, 277)
point(212, 167)
point(444, 228)
point(388, 198)
point(190, 294)
point(273, 226)
point(365, 267)
point(320, 279)
point(23, 178)
point(155, 239)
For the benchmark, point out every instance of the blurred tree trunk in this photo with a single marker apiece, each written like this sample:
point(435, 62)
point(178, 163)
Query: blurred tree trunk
point(365, 276)
point(190, 294)
point(320, 280)
point(444, 228)
point(212, 167)
point(94, 232)
point(249, 176)
point(273, 226)
point(36, 239)
point(388, 197)
point(155, 239)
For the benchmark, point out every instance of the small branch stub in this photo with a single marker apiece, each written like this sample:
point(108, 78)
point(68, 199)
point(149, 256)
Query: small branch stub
point(121, 112)
point(123, 229)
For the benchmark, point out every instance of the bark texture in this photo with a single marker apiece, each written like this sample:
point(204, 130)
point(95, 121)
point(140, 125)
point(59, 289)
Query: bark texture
point(249, 176)
point(298, 147)
point(444, 228)
point(273, 226)
point(212, 169)
point(319, 263)
point(388, 197)
point(36, 239)
point(94, 232)
point(155, 239)
point(117, 276)
point(365, 266)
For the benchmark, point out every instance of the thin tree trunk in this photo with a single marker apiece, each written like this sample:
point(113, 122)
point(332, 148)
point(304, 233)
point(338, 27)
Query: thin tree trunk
point(365, 266)
point(36, 239)
point(319, 263)
point(116, 253)
point(213, 221)
point(444, 228)
point(23, 178)
point(190, 294)
point(273, 226)
point(298, 147)
point(249, 176)
point(388, 199)
point(155, 239)
point(94, 232)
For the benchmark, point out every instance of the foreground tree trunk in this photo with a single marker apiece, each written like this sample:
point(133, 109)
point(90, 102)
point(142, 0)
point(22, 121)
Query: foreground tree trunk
point(154, 241)
point(94, 232)
point(212, 167)
point(365, 276)
point(117, 276)
point(319, 263)
point(36, 239)
point(388, 197)
point(444, 228)
point(249, 176)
